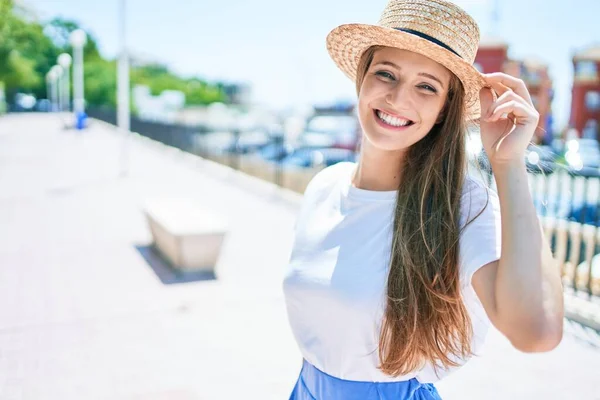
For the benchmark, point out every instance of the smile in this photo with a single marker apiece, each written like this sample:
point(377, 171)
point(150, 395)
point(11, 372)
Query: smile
point(390, 121)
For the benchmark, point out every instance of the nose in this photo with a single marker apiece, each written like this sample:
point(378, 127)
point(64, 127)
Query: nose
point(398, 97)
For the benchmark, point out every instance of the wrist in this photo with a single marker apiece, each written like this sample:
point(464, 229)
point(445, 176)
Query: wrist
point(509, 168)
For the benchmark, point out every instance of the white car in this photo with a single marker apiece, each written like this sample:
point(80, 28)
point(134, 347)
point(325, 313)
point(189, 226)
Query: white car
point(331, 131)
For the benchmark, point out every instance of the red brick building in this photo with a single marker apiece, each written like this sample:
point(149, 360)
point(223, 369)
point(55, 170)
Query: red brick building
point(585, 100)
point(492, 56)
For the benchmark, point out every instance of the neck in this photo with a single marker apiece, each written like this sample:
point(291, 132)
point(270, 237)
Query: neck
point(378, 170)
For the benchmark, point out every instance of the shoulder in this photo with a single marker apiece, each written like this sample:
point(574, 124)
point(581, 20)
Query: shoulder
point(477, 199)
point(320, 188)
point(327, 177)
point(480, 228)
point(473, 187)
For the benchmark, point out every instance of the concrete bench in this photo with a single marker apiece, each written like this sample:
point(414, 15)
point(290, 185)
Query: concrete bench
point(187, 234)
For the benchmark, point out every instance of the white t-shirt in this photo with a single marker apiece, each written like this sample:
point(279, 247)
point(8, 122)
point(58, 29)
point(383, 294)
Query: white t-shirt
point(335, 282)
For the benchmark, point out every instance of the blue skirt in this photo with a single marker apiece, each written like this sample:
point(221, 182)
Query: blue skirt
point(314, 384)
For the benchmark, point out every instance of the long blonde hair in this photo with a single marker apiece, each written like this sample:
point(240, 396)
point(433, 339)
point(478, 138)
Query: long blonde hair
point(425, 318)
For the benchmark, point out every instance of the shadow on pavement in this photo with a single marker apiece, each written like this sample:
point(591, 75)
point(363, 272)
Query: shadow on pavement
point(165, 271)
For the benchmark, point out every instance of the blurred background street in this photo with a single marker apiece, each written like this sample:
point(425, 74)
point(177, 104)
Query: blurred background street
point(140, 139)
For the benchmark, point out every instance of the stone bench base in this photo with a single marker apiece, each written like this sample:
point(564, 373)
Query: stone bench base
point(188, 235)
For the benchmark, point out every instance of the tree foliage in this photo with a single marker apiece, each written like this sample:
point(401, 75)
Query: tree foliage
point(158, 78)
point(29, 48)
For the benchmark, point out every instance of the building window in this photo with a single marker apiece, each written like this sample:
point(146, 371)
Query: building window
point(586, 70)
point(592, 100)
point(590, 131)
point(534, 77)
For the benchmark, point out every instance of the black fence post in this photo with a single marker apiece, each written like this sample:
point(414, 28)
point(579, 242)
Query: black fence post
point(234, 160)
point(279, 140)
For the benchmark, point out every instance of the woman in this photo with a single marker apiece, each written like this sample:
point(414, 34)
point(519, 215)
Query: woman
point(401, 261)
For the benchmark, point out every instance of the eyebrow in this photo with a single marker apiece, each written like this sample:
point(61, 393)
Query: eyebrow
point(425, 74)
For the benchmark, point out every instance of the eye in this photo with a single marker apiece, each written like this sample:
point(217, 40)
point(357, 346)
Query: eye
point(428, 87)
point(385, 74)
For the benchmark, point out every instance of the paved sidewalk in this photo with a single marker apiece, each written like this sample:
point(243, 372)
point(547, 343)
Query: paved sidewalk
point(87, 313)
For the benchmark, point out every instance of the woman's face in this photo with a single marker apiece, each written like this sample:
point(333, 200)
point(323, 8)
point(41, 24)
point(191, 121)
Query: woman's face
point(401, 97)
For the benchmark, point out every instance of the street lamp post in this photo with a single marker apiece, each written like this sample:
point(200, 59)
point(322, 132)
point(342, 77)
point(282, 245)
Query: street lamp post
point(64, 60)
point(123, 74)
point(78, 39)
point(123, 114)
point(50, 89)
point(56, 72)
point(59, 85)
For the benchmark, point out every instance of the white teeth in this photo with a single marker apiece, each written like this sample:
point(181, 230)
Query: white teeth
point(392, 120)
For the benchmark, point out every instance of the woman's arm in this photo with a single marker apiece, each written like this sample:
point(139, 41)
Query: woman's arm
point(522, 292)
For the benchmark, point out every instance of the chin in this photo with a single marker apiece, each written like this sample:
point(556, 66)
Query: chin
point(390, 141)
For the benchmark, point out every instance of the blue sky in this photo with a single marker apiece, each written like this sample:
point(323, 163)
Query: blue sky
point(279, 46)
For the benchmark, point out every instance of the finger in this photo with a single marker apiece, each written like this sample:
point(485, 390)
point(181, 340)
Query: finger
point(522, 112)
point(499, 88)
point(515, 84)
point(507, 96)
point(510, 107)
point(486, 99)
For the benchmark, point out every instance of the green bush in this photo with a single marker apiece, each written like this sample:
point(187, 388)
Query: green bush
point(29, 48)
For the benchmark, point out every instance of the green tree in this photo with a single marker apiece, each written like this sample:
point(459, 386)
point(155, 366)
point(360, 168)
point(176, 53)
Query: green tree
point(28, 49)
point(22, 44)
point(158, 78)
point(97, 92)
point(59, 31)
point(2, 99)
point(100, 77)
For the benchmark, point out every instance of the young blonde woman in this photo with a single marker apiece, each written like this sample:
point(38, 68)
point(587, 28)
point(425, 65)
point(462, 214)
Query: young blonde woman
point(401, 261)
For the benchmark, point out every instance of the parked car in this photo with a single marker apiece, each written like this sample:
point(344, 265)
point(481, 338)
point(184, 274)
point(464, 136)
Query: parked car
point(334, 156)
point(43, 105)
point(310, 157)
point(339, 131)
point(275, 151)
point(588, 214)
point(224, 143)
point(249, 142)
point(315, 139)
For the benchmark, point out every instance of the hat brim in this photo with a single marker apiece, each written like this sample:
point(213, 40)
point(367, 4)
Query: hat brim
point(348, 42)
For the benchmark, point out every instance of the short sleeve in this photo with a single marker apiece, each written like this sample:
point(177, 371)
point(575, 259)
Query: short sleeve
point(480, 239)
point(317, 187)
point(307, 198)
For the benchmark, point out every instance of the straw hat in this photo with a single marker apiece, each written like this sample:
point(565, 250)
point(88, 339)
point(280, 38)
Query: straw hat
point(434, 28)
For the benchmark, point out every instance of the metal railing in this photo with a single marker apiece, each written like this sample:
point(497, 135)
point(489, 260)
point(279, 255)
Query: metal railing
point(568, 202)
point(180, 136)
